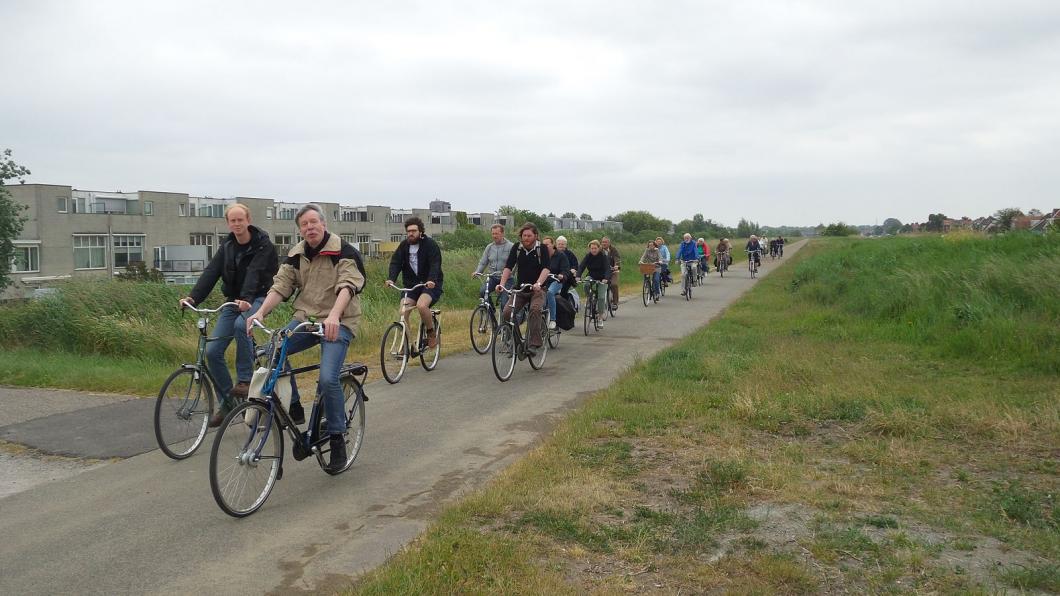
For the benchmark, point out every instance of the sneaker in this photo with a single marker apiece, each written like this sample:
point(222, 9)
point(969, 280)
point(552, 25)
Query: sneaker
point(297, 412)
point(338, 454)
point(551, 324)
point(240, 391)
point(600, 325)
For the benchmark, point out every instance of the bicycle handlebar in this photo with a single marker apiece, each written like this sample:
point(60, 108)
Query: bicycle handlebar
point(206, 311)
point(316, 328)
point(490, 274)
point(415, 287)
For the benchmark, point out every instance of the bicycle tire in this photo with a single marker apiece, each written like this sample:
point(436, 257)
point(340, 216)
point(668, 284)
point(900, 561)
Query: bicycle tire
point(687, 283)
point(481, 328)
point(612, 307)
point(429, 356)
point(248, 436)
point(537, 361)
point(589, 312)
point(553, 338)
point(394, 349)
point(353, 406)
point(503, 352)
point(180, 423)
point(645, 292)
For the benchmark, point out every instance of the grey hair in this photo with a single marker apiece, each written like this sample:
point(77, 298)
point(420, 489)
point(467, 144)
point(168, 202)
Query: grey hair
point(306, 209)
point(561, 239)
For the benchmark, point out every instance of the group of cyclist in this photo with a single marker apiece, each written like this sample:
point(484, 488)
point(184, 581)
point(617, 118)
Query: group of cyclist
point(326, 276)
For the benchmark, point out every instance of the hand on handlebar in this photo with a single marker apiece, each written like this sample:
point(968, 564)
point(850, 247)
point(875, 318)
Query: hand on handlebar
point(389, 284)
point(243, 305)
point(330, 327)
point(430, 285)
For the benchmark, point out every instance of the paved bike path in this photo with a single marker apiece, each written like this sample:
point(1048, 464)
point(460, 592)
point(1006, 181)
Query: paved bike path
point(149, 525)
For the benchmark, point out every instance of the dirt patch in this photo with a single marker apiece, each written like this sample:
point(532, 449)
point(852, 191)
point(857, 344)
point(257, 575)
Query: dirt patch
point(22, 468)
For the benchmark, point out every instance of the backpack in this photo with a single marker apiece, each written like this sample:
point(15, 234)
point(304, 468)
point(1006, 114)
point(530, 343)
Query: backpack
point(564, 312)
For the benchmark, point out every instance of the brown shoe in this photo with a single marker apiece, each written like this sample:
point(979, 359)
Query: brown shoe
point(240, 391)
point(432, 339)
point(217, 418)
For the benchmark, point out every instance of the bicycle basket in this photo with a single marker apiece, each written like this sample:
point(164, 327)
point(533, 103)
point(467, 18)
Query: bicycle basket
point(647, 268)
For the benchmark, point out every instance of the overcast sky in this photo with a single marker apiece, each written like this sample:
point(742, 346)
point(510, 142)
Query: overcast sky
point(781, 112)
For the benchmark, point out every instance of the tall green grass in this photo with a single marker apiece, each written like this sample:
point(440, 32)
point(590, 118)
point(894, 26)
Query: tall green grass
point(993, 299)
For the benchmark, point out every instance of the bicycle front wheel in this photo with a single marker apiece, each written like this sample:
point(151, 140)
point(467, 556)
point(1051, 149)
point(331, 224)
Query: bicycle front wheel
point(537, 361)
point(182, 413)
point(481, 328)
point(429, 355)
point(645, 292)
point(394, 353)
point(687, 282)
point(246, 459)
point(588, 313)
point(504, 352)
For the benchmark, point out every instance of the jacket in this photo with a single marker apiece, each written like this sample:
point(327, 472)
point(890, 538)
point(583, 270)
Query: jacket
point(687, 251)
point(430, 263)
point(612, 254)
point(753, 245)
point(336, 267)
point(493, 257)
point(248, 279)
point(599, 266)
point(664, 254)
point(651, 255)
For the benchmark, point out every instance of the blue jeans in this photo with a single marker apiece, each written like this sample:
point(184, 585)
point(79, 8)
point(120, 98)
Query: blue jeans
point(332, 355)
point(231, 323)
point(491, 284)
point(553, 289)
point(655, 281)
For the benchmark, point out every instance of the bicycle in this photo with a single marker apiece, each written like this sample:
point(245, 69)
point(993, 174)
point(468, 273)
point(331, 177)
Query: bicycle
point(591, 316)
point(511, 344)
point(648, 293)
point(700, 274)
point(484, 319)
point(612, 295)
point(723, 263)
point(186, 402)
point(688, 276)
point(396, 345)
point(247, 455)
point(752, 265)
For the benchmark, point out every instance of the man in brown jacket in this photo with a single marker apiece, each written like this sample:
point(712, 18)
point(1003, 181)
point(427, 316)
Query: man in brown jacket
point(616, 264)
point(329, 274)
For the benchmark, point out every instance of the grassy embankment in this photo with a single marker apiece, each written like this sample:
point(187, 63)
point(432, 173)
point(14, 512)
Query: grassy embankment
point(877, 416)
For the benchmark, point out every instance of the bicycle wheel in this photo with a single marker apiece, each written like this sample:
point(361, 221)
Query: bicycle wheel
point(353, 398)
point(645, 291)
point(481, 328)
point(589, 312)
point(612, 301)
point(428, 355)
point(538, 359)
point(686, 282)
point(504, 353)
point(246, 459)
point(553, 338)
point(394, 353)
point(182, 412)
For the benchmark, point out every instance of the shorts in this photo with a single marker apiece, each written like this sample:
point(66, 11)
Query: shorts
point(435, 293)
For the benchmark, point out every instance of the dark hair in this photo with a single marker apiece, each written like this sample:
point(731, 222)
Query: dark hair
point(497, 226)
point(528, 226)
point(414, 221)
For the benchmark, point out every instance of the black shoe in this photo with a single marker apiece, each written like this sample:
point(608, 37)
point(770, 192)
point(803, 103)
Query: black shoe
point(338, 454)
point(297, 413)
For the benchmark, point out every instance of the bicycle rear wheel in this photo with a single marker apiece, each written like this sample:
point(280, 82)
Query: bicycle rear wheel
point(394, 353)
point(428, 355)
point(246, 459)
point(353, 398)
point(481, 328)
point(504, 353)
point(182, 413)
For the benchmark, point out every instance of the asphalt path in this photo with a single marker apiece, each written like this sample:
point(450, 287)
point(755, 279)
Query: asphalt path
point(149, 525)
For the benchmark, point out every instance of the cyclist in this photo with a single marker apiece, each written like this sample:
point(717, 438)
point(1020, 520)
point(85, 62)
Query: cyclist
point(651, 256)
point(493, 259)
point(328, 274)
point(616, 266)
point(780, 245)
point(419, 261)
point(754, 245)
point(703, 251)
point(245, 263)
point(560, 265)
point(664, 258)
point(599, 266)
point(724, 248)
point(686, 252)
point(530, 257)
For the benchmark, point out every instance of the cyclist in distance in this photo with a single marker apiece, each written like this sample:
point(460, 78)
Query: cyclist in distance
point(780, 245)
point(686, 252)
point(531, 259)
point(599, 266)
point(616, 267)
point(329, 276)
point(419, 261)
point(664, 258)
point(245, 263)
point(724, 247)
point(493, 259)
point(754, 245)
point(651, 256)
point(703, 250)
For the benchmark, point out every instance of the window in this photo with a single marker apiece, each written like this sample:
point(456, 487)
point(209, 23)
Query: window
point(283, 240)
point(396, 237)
point(78, 203)
point(61, 204)
point(90, 252)
point(149, 207)
point(435, 219)
point(128, 249)
point(356, 216)
point(268, 213)
point(182, 209)
point(203, 240)
point(364, 238)
point(26, 258)
point(348, 238)
point(285, 213)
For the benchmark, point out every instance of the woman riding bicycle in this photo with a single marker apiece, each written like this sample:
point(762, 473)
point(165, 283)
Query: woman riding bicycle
point(651, 256)
point(599, 267)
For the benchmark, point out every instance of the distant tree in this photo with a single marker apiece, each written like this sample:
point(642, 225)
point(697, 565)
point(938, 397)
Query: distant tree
point(891, 225)
point(747, 228)
point(934, 222)
point(521, 216)
point(550, 214)
point(905, 229)
point(584, 216)
point(1006, 217)
point(1035, 213)
point(877, 231)
point(569, 215)
point(11, 218)
point(839, 229)
point(639, 221)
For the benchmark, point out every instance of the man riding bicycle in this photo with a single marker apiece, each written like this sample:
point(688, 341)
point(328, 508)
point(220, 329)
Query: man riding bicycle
point(616, 267)
point(686, 252)
point(724, 248)
point(245, 263)
point(328, 274)
point(419, 261)
point(531, 258)
point(493, 259)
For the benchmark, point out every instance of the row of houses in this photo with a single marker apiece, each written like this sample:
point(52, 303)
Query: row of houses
point(72, 233)
point(1034, 221)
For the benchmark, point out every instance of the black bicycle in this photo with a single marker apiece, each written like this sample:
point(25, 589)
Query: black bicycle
point(511, 343)
point(247, 455)
point(688, 277)
point(484, 318)
point(752, 262)
point(648, 292)
point(591, 317)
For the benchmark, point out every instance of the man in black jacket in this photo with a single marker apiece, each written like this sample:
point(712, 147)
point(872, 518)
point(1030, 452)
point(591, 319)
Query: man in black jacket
point(245, 263)
point(419, 260)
